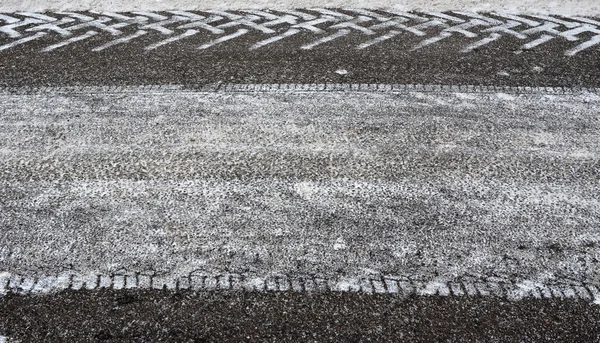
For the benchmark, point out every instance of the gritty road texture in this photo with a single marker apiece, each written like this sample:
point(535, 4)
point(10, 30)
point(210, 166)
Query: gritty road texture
point(438, 185)
point(157, 316)
point(295, 176)
point(304, 46)
point(434, 186)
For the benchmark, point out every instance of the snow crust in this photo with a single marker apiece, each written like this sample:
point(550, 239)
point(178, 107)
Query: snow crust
point(563, 7)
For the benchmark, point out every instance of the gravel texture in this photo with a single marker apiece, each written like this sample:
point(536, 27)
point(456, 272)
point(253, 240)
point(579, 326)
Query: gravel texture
point(432, 186)
point(502, 62)
point(157, 316)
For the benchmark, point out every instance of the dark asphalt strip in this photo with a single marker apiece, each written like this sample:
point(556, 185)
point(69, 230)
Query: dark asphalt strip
point(153, 316)
point(182, 63)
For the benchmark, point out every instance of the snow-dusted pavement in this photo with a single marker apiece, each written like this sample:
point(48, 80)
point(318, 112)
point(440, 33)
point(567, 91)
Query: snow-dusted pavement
point(358, 158)
point(388, 191)
point(343, 45)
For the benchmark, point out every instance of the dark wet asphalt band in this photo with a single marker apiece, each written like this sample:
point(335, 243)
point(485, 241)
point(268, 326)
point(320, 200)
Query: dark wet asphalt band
point(553, 51)
point(160, 316)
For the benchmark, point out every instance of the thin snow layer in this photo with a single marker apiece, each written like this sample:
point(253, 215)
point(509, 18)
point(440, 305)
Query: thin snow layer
point(562, 7)
point(435, 186)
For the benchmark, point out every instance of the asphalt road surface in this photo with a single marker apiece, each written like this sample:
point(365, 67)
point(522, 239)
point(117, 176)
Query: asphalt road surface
point(157, 316)
point(309, 175)
point(303, 46)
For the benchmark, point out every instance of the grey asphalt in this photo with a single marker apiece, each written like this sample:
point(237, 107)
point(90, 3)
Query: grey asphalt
point(156, 316)
point(502, 62)
point(437, 186)
point(442, 186)
point(234, 63)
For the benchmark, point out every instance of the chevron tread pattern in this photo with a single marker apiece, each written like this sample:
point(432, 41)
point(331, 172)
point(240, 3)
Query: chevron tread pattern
point(375, 27)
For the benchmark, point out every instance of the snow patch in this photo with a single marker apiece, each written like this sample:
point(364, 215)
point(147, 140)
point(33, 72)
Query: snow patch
point(340, 244)
point(538, 69)
point(567, 7)
point(304, 189)
point(349, 285)
point(257, 284)
point(582, 154)
point(432, 288)
point(525, 289)
point(505, 96)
